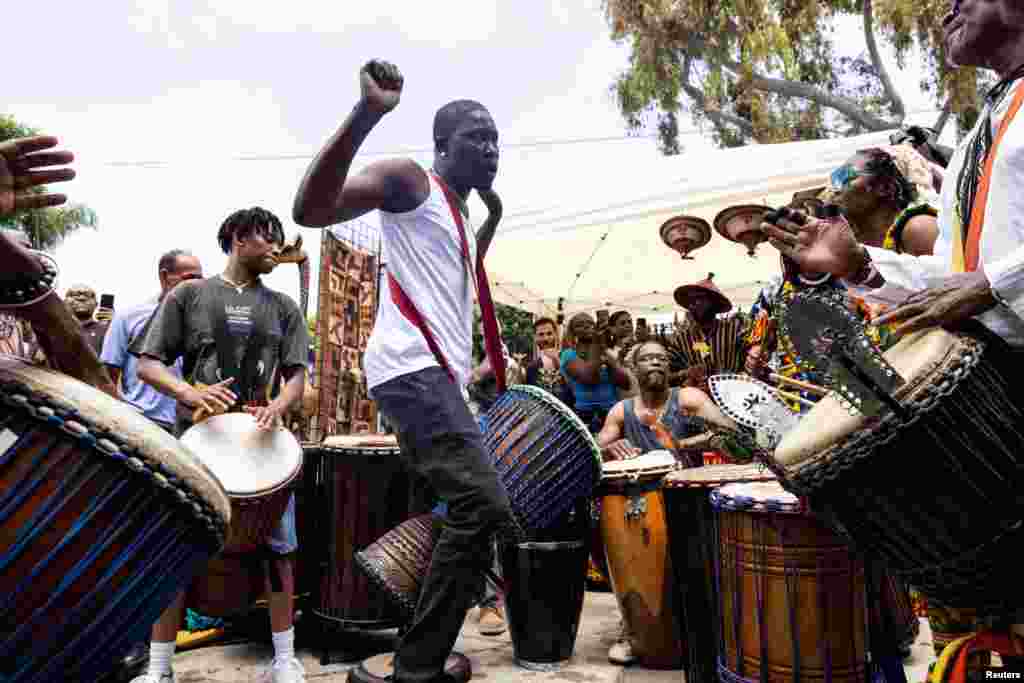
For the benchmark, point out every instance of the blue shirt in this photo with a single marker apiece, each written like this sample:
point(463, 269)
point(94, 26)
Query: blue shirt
point(124, 328)
point(604, 394)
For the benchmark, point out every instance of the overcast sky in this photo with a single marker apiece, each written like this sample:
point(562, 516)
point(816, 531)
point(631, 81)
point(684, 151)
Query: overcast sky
point(193, 84)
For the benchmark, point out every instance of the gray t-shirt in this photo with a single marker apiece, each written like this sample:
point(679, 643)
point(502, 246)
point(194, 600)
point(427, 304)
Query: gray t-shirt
point(259, 332)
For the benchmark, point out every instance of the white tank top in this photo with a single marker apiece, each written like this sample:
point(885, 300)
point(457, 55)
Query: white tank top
point(422, 250)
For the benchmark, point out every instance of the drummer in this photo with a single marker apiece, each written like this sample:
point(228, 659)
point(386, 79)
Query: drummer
point(237, 337)
point(683, 416)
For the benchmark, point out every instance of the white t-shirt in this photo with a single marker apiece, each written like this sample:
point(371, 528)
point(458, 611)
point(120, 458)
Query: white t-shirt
point(422, 250)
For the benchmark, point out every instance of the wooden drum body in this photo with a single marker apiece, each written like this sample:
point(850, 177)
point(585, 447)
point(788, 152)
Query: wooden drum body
point(791, 591)
point(359, 491)
point(104, 517)
point(693, 542)
point(398, 561)
point(635, 537)
point(937, 498)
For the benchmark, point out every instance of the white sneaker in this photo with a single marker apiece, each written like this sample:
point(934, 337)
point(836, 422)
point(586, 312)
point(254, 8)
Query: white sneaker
point(285, 672)
point(153, 678)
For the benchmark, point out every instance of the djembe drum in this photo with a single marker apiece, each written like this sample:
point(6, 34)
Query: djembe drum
point(360, 490)
point(636, 546)
point(693, 541)
point(544, 455)
point(258, 470)
point(103, 518)
point(950, 535)
point(791, 591)
point(398, 561)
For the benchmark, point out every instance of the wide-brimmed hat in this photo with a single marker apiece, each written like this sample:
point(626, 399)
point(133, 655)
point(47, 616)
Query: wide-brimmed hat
point(687, 294)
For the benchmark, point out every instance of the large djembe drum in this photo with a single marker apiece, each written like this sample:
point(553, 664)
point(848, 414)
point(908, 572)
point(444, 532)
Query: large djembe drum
point(360, 491)
point(693, 541)
point(398, 561)
point(103, 518)
point(544, 455)
point(791, 591)
point(635, 535)
point(259, 469)
point(938, 497)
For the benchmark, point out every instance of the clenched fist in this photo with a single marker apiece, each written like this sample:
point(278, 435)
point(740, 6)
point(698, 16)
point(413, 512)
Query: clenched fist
point(381, 85)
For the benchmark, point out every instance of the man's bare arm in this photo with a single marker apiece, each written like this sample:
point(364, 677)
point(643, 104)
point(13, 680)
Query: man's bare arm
point(327, 195)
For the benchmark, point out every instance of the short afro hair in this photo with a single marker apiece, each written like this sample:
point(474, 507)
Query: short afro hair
point(448, 117)
point(880, 163)
point(246, 222)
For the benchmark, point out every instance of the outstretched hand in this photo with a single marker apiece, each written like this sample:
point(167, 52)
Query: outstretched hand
point(381, 84)
point(19, 157)
point(817, 246)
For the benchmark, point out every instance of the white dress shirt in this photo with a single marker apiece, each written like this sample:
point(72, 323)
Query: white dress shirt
point(1002, 238)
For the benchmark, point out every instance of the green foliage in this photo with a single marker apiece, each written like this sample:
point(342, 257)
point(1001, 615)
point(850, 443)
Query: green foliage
point(46, 228)
point(516, 330)
point(767, 70)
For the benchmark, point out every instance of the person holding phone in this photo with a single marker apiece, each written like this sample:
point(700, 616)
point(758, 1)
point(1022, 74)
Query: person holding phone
point(592, 371)
point(81, 299)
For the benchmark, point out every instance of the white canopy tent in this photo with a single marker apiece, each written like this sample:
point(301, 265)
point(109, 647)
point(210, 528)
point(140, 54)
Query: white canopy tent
point(600, 247)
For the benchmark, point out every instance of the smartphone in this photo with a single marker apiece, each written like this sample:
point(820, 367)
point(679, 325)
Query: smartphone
point(107, 301)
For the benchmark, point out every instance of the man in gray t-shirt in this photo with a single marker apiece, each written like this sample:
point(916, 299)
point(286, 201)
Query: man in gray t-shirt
point(244, 347)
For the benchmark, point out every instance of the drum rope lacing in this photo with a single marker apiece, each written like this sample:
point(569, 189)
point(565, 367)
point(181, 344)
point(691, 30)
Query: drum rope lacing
point(959, 574)
point(68, 420)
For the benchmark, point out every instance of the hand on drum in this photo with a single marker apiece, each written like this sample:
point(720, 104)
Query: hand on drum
point(268, 418)
point(620, 450)
point(953, 300)
point(210, 400)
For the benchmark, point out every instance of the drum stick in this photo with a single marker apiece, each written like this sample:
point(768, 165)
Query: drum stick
point(806, 386)
point(794, 397)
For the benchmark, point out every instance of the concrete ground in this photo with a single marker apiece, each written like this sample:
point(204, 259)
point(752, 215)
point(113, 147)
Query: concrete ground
point(491, 656)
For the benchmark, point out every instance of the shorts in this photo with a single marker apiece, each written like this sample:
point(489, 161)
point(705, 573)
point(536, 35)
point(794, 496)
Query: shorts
point(285, 539)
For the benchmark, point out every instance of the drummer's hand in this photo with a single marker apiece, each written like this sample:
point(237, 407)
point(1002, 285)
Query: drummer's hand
point(953, 300)
point(211, 400)
point(268, 418)
point(621, 450)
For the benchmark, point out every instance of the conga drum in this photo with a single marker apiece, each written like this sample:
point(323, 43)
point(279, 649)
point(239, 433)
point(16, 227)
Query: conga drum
point(545, 456)
point(693, 542)
point(948, 534)
point(360, 491)
point(259, 469)
point(791, 591)
point(635, 537)
point(104, 517)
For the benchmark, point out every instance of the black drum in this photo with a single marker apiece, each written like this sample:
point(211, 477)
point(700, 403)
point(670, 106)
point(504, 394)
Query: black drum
point(545, 584)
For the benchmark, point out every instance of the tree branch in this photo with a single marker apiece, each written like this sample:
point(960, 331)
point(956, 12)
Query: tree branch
point(876, 60)
point(718, 118)
point(944, 116)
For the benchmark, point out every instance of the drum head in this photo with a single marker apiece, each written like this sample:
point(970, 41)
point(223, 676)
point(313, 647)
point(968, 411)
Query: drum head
point(918, 357)
point(246, 460)
point(713, 476)
point(650, 464)
point(365, 444)
point(756, 496)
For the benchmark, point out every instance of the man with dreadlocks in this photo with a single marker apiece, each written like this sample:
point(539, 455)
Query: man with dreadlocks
point(244, 348)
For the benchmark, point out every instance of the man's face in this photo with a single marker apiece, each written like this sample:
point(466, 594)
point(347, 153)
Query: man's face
point(583, 329)
point(259, 251)
point(185, 268)
point(82, 301)
point(545, 336)
point(473, 149)
point(851, 188)
point(623, 327)
point(701, 307)
point(651, 363)
point(976, 31)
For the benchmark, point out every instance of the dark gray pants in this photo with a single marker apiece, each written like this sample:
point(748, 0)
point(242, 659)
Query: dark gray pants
point(441, 442)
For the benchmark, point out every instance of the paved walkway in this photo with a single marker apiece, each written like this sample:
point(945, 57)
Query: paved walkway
point(491, 657)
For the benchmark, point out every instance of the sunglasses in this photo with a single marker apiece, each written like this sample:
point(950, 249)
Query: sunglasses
point(844, 175)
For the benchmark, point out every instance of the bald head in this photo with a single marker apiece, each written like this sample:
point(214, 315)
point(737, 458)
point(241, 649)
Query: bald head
point(81, 299)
